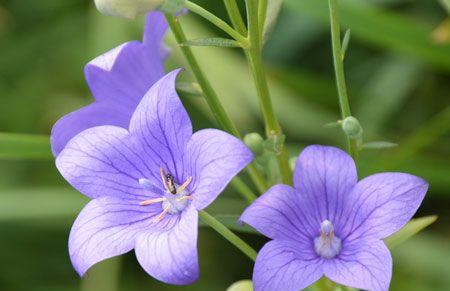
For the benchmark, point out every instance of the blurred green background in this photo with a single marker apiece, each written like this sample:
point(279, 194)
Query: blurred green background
point(398, 70)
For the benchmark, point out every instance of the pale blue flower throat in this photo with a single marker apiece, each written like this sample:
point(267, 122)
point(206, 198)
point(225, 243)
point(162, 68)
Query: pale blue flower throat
point(176, 197)
point(327, 245)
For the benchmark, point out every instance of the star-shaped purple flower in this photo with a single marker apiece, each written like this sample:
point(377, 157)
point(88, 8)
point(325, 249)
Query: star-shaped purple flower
point(118, 79)
point(148, 184)
point(330, 224)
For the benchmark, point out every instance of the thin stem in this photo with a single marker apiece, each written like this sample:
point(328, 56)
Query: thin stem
point(235, 16)
point(228, 234)
point(217, 22)
point(339, 72)
point(262, 12)
point(211, 97)
point(254, 56)
point(242, 188)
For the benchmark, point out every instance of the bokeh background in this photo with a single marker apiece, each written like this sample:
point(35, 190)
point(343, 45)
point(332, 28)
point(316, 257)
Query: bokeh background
point(398, 70)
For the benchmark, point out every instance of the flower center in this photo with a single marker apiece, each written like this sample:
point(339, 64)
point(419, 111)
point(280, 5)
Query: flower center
point(176, 197)
point(327, 245)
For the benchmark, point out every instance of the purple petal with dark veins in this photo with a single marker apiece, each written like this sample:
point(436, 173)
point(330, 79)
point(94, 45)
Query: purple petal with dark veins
point(283, 213)
point(104, 161)
point(287, 266)
point(162, 126)
point(171, 255)
point(118, 79)
point(325, 176)
point(363, 265)
point(107, 227)
point(213, 158)
point(381, 204)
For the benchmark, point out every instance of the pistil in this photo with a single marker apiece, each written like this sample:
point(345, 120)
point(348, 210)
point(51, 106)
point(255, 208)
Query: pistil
point(327, 245)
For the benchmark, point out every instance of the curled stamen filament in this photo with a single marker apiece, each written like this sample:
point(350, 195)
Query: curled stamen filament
point(152, 201)
point(184, 185)
point(185, 197)
point(161, 215)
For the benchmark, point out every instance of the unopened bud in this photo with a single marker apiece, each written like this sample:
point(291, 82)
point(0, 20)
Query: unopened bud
point(255, 142)
point(352, 128)
point(127, 8)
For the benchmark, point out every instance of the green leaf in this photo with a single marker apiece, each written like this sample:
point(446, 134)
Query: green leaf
point(381, 27)
point(243, 285)
point(24, 146)
point(273, 10)
point(39, 203)
point(378, 145)
point(213, 41)
point(345, 42)
point(412, 228)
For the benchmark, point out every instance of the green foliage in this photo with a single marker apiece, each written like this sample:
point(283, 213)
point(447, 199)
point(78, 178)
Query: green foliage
point(22, 146)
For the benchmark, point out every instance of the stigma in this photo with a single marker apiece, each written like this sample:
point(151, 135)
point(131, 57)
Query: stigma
point(327, 244)
point(176, 197)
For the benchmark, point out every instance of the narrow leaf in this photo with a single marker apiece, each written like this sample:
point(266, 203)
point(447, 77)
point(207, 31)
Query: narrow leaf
point(243, 285)
point(24, 146)
point(214, 41)
point(345, 42)
point(378, 145)
point(273, 10)
point(412, 228)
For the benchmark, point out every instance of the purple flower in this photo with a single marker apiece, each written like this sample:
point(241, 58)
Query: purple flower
point(330, 224)
point(118, 79)
point(148, 184)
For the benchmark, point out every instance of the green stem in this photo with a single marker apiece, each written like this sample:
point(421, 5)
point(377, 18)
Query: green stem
point(339, 72)
point(235, 16)
point(254, 56)
point(211, 97)
point(228, 234)
point(217, 22)
point(262, 12)
point(242, 188)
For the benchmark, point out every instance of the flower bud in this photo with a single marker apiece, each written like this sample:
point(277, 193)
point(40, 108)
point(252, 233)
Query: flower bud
point(352, 128)
point(255, 142)
point(127, 8)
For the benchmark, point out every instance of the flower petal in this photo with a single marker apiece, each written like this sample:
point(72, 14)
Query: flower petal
point(325, 176)
point(282, 213)
point(213, 158)
point(125, 73)
point(96, 114)
point(154, 31)
point(118, 80)
point(171, 255)
point(281, 265)
point(381, 204)
point(162, 126)
point(103, 161)
point(105, 228)
point(362, 265)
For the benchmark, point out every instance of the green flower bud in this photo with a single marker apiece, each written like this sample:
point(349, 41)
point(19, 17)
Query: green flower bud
point(127, 8)
point(352, 128)
point(255, 142)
